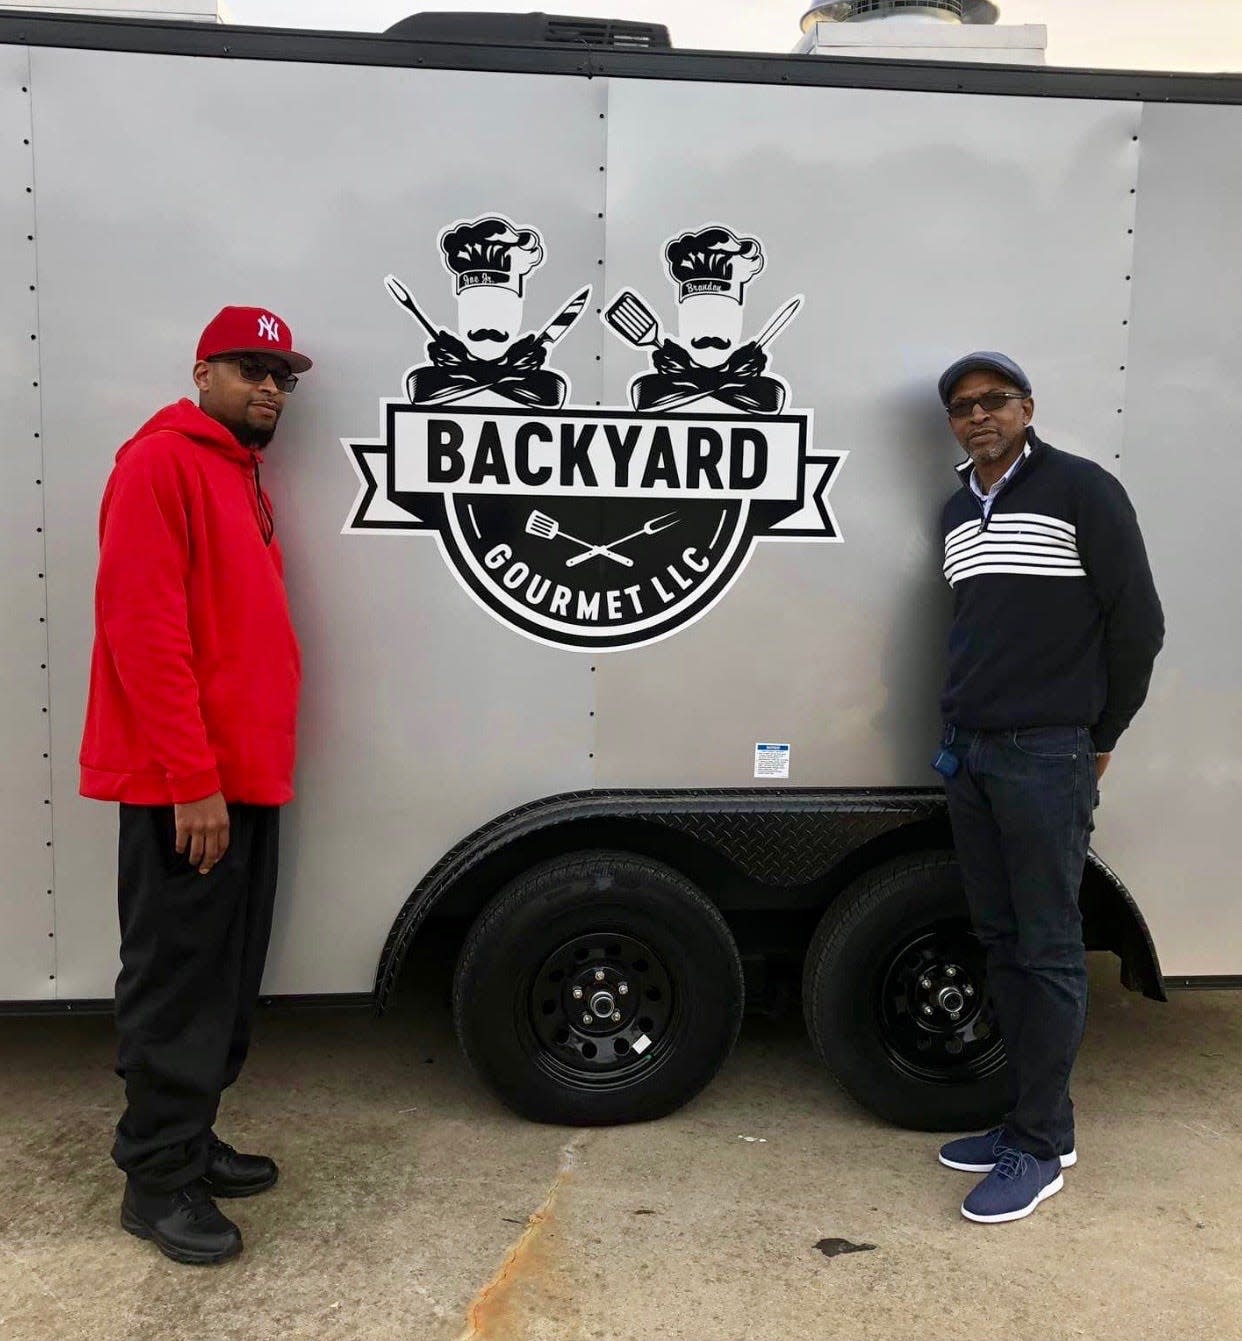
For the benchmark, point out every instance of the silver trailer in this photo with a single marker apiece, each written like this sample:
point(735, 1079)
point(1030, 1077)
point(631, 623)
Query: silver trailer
point(623, 623)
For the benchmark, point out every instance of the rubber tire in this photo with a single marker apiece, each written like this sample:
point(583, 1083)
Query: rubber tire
point(569, 896)
point(870, 917)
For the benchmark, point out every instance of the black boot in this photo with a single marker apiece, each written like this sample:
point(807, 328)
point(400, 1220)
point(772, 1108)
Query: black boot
point(232, 1175)
point(185, 1224)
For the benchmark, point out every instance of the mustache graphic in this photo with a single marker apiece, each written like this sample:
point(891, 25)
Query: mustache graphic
point(486, 333)
point(710, 342)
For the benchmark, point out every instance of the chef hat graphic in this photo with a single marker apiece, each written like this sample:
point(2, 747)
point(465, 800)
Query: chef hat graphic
point(713, 260)
point(491, 251)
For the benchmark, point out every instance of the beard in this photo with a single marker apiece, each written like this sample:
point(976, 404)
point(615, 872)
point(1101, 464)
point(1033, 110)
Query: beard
point(239, 423)
point(985, 453)
point(256, 438)
point(252, 435)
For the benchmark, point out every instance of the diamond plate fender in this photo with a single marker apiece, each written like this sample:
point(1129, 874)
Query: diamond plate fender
point(781, 838)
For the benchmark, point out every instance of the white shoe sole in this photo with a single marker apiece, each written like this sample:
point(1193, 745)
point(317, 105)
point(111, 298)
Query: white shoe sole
point(1051, 1190)
point(1067, 1162)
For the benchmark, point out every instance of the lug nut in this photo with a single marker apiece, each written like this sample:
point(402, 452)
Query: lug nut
point(616, 1017)
point(586, 1018)
point(925, 983)
point(950, 972)
point(953, 1014)
point(968, 990)
point(623, 988)
point(927, 1010)
point(599, 975)
point(577, 993)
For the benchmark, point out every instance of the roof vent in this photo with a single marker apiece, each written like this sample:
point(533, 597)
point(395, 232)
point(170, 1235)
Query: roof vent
point(494, 29)
point(851, 11)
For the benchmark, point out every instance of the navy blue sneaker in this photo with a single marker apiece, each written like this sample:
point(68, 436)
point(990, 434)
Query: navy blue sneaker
point(1013, 1189)
point(978, 1154)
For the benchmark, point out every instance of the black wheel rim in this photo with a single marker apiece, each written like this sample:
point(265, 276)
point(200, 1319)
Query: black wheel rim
point(601, 1008)
point(936, 1021)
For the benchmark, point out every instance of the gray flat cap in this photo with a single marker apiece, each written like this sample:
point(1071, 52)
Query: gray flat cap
point(982, 360)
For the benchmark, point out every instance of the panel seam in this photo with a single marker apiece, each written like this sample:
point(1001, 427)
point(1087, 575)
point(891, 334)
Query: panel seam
point(1127, 321)
point(40, 457)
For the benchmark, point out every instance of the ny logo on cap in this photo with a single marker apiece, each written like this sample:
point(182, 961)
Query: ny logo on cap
point(269, 328)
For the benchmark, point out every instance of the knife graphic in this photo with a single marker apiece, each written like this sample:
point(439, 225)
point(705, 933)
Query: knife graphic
point(565, 318)
point(773, 328)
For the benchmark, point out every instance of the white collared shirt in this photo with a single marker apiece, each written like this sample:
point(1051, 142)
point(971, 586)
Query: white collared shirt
point(987, 499)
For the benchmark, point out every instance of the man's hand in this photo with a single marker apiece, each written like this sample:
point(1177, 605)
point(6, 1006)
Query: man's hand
point(1101, 763)
point(203, 827)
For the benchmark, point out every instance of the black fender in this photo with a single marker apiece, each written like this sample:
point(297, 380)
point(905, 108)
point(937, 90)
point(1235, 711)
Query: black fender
point(1113, 921)
point(775, 837)
point(782, 838)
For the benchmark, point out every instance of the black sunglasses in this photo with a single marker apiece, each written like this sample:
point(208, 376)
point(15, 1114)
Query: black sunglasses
point(255, 370)
point(990, 400)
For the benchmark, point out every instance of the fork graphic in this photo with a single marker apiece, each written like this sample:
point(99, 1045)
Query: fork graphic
point(653, 527)
point(548, 528)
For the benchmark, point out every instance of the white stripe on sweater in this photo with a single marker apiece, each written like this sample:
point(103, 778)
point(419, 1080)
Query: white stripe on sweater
point(1024, 543)
point(1015, 521)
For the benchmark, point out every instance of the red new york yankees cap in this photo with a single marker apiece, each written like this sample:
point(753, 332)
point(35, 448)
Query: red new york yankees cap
point(249, 330)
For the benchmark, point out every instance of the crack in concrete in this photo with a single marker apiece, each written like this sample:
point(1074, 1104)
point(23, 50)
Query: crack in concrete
point(488, 1306)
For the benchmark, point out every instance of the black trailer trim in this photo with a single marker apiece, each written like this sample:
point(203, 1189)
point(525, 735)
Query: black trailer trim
point(104, 1005)
point(80, 1006)
point(173, 38)
point(318, 1001)
point(1207, 982)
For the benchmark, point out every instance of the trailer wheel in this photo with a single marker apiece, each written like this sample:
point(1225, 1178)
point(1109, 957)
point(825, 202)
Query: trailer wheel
point(599, 987)
point(895, 996)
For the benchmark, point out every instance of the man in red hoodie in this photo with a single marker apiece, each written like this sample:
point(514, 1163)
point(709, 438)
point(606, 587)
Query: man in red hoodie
point(190, 726)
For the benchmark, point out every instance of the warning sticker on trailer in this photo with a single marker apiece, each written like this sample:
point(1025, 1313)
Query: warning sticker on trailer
point(771, 760)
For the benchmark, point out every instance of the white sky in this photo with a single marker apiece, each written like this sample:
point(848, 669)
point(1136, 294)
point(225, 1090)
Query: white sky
point(1127, 34)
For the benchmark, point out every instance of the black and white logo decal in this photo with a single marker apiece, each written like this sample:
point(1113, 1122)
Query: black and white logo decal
point(587, 528)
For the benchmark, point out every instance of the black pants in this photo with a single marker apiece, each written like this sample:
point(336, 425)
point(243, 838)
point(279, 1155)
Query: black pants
point(1021, 807)
point(192, 953)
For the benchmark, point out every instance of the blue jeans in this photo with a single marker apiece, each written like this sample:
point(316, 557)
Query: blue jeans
point(1021, 806)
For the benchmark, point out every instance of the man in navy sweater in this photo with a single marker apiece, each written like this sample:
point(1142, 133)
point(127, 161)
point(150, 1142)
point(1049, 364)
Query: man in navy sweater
point(1056, 626)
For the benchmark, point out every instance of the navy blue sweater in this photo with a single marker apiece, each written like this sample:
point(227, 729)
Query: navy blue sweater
point(1056, 619)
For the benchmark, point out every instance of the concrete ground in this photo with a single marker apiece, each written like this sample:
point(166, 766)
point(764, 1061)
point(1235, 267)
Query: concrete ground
point(412, 1206)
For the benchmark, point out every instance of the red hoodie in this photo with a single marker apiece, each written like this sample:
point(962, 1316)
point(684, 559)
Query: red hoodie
point(196, 669)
